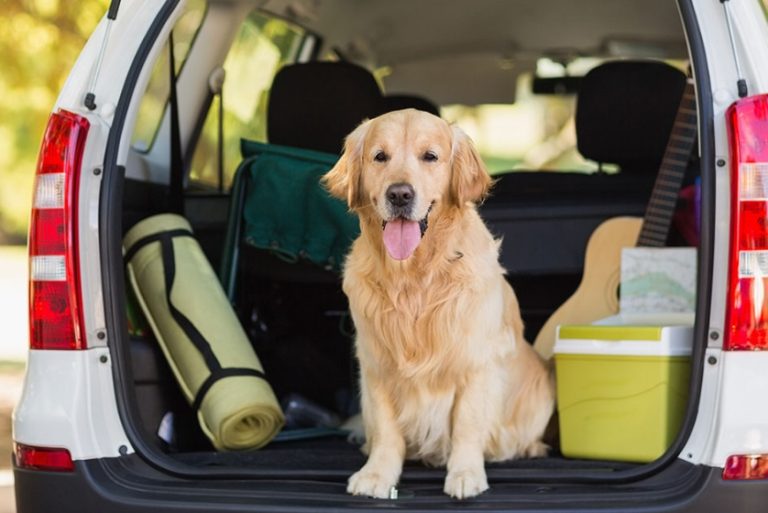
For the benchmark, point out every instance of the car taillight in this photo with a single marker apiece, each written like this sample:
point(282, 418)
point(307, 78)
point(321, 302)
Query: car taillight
point(43, 458)
point(747, 305)
point(746, 467)
point(55, 314)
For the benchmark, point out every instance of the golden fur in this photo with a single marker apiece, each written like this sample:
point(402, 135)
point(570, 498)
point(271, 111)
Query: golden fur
point(446, 376)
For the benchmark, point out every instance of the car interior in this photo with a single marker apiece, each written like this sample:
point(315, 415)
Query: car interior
point(571, 104)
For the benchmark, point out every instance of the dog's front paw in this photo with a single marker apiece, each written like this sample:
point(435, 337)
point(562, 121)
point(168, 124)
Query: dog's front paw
point(371, 484)
point(465, 483)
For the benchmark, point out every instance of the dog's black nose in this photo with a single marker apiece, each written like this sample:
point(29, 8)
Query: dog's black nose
point(400, 194)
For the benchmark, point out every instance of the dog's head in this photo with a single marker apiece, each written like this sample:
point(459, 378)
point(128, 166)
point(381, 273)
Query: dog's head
point(403, 167)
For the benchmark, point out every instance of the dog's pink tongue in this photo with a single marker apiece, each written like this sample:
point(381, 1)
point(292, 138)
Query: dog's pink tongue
point(401, 238)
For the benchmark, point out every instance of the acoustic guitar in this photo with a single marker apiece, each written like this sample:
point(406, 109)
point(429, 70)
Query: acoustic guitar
point(597, 294)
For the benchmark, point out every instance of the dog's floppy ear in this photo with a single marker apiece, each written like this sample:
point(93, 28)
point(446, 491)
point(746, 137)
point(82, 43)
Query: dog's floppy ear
point(344, 180)
point(469, 177)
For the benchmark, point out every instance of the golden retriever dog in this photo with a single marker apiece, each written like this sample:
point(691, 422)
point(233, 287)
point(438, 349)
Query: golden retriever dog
point(446, 376)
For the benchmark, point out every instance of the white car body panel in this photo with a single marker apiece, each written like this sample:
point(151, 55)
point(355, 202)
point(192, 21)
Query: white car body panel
point(69, 401)
point(742, 427)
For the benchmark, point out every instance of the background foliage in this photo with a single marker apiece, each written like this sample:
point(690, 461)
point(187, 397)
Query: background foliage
point(39, 42)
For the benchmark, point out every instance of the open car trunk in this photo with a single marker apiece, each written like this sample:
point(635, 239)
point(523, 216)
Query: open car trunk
point(296, 318)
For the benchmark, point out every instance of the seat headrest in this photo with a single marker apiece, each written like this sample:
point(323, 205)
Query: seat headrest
point(314, 105)
point(392, 102)
point(625, 111)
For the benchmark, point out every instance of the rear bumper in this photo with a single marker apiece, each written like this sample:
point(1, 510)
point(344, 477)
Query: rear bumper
point(127, 484)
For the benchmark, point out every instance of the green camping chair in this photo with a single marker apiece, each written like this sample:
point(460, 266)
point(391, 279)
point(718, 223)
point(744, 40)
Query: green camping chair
point(279, 207)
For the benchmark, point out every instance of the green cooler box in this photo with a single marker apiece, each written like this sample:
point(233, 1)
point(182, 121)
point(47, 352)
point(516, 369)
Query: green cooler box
point(621, 390)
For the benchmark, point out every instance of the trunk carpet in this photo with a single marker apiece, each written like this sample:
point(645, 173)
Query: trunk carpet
point(335, 457)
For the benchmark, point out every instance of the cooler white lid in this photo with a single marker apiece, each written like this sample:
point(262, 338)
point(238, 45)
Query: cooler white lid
point(606, 337)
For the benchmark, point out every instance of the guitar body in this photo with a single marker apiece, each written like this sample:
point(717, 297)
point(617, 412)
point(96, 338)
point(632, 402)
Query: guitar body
point(597, 294)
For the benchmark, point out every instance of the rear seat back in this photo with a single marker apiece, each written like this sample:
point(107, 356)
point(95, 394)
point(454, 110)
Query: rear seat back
point(314, 105)
point(625, 112)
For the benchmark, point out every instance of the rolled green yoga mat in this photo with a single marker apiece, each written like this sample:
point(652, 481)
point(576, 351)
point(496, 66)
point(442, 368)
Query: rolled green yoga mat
point(206, 347)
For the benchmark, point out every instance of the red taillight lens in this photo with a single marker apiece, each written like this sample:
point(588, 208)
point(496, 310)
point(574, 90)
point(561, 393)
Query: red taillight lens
point(55, 316)
point(746, 467)
point(747, 304)
point(43, 458)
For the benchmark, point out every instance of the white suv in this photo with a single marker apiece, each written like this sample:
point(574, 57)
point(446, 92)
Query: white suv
point(102, 426)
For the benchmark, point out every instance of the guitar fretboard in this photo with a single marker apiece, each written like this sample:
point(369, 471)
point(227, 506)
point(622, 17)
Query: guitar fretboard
point(661, 206)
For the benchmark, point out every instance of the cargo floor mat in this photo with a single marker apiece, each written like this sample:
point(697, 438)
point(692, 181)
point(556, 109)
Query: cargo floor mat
point(335, 457)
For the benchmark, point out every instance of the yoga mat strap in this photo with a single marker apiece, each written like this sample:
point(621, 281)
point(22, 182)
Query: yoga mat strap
point(155, 237)
point(220, 374)
point(197, 338)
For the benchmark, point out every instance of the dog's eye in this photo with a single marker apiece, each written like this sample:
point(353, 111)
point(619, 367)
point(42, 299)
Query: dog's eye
point(381, 157)
point(429, 156)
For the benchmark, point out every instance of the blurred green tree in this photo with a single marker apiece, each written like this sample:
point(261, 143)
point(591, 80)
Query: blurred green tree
point(39, 42)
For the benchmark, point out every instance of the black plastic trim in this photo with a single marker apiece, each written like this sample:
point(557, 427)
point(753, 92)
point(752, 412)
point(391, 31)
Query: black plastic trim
point(110, 240)
point(126, 485)
point(114, 6)
point(113, 286)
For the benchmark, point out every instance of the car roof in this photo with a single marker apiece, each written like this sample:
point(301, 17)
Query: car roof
point(449, 48)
